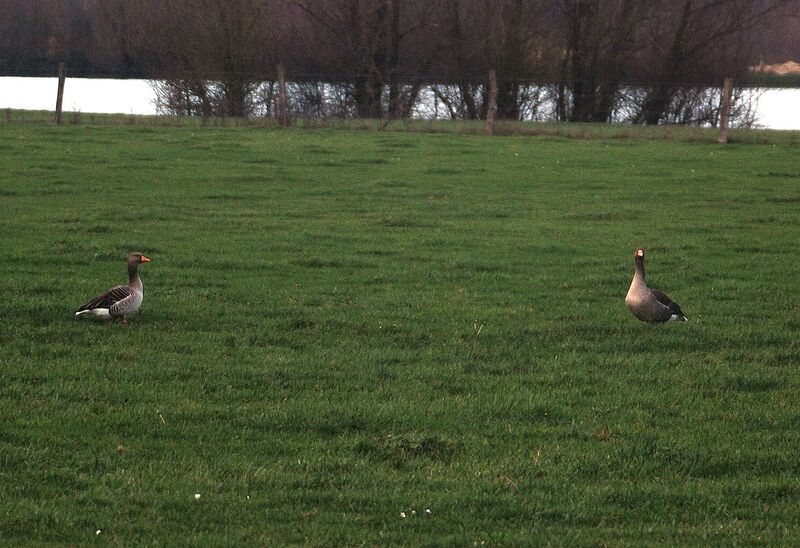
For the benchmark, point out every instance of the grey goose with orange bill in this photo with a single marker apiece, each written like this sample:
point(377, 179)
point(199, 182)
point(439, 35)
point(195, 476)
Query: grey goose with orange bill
point(121, 301)
point(650, 305)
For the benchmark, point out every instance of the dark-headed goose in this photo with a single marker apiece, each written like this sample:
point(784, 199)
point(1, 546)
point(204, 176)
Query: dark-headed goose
point(121, 301)
point(648, 304)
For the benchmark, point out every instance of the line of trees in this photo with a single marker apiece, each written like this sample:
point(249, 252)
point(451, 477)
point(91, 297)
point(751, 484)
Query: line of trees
point(217, 57)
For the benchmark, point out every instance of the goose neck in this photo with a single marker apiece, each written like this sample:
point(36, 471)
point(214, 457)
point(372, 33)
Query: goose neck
point(133, 272)
point(639, 272)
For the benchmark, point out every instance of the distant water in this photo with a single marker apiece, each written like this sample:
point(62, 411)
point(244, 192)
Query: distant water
point(777, 108)
point(80, 94)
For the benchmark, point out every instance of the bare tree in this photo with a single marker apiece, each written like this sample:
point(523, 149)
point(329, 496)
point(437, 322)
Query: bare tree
point(210, 54)
point(510, 36)
point(703, 40)
point(362, 43)
point(518, 47)
point(600, 41)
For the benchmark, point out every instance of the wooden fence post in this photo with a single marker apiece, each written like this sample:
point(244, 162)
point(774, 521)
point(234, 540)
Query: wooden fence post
point(283, 106)
point(491, 109)
point(62, 73)
point(725, 110)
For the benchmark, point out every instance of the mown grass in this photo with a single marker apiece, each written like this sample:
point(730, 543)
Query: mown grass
point(341, 326)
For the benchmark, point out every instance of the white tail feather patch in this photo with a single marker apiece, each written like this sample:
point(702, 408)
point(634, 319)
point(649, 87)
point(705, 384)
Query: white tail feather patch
point(100, 312)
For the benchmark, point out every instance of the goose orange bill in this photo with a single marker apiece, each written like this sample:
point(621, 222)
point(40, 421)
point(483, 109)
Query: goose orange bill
point(145, 259)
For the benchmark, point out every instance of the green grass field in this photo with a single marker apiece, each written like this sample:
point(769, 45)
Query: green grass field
point(340, 326)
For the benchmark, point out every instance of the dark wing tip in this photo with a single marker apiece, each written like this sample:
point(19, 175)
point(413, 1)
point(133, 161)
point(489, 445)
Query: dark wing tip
point(88, 306)
point(677, 310)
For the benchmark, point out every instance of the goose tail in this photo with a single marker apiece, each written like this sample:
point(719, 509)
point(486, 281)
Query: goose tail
point(99, 312)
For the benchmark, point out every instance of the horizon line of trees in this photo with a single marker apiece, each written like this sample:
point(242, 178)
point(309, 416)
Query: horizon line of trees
point(214, 56)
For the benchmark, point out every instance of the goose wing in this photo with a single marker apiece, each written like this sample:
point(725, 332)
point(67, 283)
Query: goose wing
point(664, 299)
point(108, 299)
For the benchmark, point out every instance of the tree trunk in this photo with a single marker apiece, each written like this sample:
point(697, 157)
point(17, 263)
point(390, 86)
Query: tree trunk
point(508, 100)
point(582, 101)
point(361, 95)
point(62, 74)
point(235, 97)
point(725, 110)
point(607, 98)
point(410, 100)
point(283, 101)
point(561, 102)
point(656, 104)
point(491, 104)
point(468, 97)
point(393, 60)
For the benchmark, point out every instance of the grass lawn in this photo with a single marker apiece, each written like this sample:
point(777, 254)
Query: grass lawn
point(340, 326)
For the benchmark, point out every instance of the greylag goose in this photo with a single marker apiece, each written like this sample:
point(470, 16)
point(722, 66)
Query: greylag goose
point(650, 305)
point(121, 301)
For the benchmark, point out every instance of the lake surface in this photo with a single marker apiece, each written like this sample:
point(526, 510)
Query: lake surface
point(777, 108)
